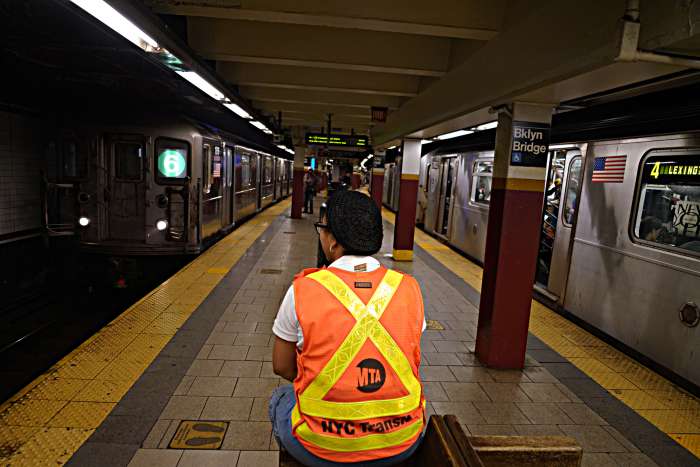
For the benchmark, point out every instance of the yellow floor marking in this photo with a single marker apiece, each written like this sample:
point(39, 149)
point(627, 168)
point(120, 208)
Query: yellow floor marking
point(665, 405)
point(690, 442)
point(49, 419)
point(82, 414)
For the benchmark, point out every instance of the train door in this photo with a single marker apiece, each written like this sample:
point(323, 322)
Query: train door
point(126, 194)
point(229, 192)
point(559, 213)
point(212, 189)
point(448, 166)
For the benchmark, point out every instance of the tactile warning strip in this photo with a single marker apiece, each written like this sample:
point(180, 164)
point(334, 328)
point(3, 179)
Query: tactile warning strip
point(665, 405)
point(49, 419)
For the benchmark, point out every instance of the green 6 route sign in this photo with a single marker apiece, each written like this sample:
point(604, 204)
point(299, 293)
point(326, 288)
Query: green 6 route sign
point(172, 163)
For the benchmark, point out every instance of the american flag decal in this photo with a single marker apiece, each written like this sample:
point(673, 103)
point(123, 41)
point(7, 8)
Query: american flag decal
point(609, 169)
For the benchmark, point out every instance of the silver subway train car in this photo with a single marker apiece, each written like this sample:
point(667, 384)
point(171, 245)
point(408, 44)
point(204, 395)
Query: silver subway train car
point(161, 186)
point(621, 253)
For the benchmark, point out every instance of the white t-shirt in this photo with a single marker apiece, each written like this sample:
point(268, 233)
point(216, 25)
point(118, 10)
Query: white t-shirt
point(287, 326)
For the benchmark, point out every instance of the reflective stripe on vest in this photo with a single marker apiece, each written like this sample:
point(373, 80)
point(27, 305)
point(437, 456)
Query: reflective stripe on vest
point(367, 326)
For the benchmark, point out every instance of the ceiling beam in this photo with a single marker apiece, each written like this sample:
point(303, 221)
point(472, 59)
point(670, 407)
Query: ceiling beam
point(322, 64)
point(308, 108)
point(325, 88)
point(319, 123)
point(302, 96)
point(382, 83)
point(341, 22)
point(215, 38)
point(358, 120)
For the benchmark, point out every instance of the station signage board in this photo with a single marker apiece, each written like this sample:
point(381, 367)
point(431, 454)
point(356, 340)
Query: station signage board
point(351, 141)
point(530, 143)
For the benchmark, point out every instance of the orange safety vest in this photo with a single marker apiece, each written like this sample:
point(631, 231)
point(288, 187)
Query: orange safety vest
point(358, 392)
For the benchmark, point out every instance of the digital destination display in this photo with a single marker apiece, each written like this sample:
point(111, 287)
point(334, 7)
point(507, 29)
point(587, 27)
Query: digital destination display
point(355, 141)
point(172, 163)
point(663, 170)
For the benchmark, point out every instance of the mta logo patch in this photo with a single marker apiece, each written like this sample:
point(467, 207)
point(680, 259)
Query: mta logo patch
point(372, 375)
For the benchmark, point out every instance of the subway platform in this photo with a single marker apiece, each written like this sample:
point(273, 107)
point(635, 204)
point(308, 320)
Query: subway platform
point(198, 349)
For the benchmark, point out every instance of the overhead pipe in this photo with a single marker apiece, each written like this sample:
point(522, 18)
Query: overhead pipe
point(629, 43)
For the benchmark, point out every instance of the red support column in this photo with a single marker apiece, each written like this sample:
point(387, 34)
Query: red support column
point(408, 198)
point(512, 240)
point(298, 182)
point(377, 186)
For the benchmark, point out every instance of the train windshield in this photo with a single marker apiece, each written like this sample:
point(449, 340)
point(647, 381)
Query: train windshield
point(128, 160)
point(668, 212)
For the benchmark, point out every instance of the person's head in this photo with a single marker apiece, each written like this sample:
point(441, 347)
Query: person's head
point(311, 171)
point(650, 228)
point(351, 224)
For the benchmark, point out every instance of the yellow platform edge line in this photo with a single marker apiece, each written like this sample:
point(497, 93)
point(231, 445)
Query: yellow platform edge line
point(81, 403)
point(665, 405)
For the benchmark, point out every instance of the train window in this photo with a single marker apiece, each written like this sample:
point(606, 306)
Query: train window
point(668, 209)
point(267, 170)
point(229, 166)
point(128, 161)
point(207, 168)
point(171, 161)
point(572, 190)
point(481, 182)
point(426, 180)
point(216, 174)
point(74, 160)
point(245, 181)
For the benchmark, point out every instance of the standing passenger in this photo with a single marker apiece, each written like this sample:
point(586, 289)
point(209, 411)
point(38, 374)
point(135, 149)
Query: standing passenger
point(348, 336)
point(309, 191)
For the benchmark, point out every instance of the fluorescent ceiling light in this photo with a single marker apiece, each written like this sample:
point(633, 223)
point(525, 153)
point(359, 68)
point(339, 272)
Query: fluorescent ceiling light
point(202, 84)
point(238, 110)
point(487, 126)
point(258, 125)
point(562, 146)
point(425, 141)
point(112, 18)
point(454, 134)
point(392, 147)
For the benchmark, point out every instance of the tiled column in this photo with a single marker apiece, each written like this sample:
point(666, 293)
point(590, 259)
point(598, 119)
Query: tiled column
point(408, 197)
point(512, 240)
point(377, 179)
point(298, 194)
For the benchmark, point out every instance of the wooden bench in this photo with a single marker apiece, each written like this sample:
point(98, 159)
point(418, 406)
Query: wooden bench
point(446, 444)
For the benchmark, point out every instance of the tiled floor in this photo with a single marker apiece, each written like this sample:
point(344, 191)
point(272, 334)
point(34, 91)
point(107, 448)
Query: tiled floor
point(217, 367)
point(665, 405)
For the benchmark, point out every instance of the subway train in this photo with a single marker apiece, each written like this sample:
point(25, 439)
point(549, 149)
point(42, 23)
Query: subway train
point(161, 186)
point(619, 253)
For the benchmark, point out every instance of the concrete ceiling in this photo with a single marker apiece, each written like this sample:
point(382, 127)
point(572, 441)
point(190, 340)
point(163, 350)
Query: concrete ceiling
point(436, 66)
point(307, 59)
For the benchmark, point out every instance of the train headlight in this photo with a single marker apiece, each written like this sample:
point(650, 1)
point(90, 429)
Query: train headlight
point(84, 221)
point(162, 224)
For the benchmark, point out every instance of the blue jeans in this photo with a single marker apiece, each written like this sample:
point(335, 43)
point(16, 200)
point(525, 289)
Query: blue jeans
point(281, 405)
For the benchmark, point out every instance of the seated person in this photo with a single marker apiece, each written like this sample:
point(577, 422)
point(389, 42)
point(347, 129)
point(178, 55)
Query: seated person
point(653, 230)
point(348, 336)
